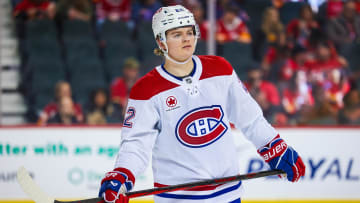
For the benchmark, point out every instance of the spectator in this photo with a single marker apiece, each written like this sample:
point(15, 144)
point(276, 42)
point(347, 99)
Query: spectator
point(35, 9)
point(322, 112)
point(113, 10)
point(121, 86)
point(319, 36)
point(274, 58)
point(144, 10)
point(169, 2)
point(189, 4)
point(264, 92)
point(198, 12)
point(296, 96)
point(325, 59)
point(15, 2)
point(327, 10)
point(272, 28)
point(350, 114)
point(66, 114)
point(74, 10)
point(334, 8)
point(299, 30)
point(221, 7)
point(231, 28)
point(62, 89)
point(270, 40)
point(101, 111)
point(294, 63)
point(345, 29)
point(336, 86)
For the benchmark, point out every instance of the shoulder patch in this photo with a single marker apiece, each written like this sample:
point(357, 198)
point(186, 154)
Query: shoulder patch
point(150, 85)
point(214, 66)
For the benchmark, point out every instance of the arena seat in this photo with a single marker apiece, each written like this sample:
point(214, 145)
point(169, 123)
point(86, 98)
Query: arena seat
point(77, 30)
point(40, 29)
point(145, 41)
point(290, 11)
point(41, 40)
point(86, 76)
point(114, 56)
point(113, 32)
point(81, 50)
point(239, 55)
point(44, 75)
point(255, 9)
point(146, 44)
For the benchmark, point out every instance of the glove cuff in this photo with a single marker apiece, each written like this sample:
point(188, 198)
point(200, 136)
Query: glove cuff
point(129, 177)
point(123, 175)
point(275, 148)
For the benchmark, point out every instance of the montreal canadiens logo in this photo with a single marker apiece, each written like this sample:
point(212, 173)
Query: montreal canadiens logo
point(201, 127)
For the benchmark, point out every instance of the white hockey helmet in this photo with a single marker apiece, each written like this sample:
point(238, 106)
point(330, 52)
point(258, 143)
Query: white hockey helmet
point(171, 17)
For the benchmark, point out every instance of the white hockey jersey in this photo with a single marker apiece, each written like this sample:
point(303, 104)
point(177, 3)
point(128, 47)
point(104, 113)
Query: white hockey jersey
point(184, 124)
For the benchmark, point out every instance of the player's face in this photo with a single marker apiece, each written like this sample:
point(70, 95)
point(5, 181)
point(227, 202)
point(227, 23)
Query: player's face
point(181, 43)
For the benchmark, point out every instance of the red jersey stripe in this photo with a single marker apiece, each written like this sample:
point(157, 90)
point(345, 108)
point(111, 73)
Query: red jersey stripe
point(150, 85)
point(214, 66)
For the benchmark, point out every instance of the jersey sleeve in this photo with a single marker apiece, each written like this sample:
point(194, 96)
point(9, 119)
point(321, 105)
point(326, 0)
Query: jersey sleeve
point(138, 135)
point(247, 115)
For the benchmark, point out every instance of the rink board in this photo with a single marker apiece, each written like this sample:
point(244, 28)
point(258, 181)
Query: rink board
point(68, 163)
point(245, 201)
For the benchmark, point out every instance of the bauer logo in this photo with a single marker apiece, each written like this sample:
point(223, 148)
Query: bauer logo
point(201, 126)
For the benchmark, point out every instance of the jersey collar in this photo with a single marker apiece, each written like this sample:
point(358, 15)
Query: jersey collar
point(195, 75)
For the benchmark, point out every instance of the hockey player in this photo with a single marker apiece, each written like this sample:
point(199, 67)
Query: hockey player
point(180, 113)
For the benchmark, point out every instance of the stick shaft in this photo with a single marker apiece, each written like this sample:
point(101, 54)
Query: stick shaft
point(154, 191)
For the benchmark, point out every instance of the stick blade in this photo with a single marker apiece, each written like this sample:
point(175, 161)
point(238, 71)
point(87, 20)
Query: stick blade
point(91, 200)
point(31, 188)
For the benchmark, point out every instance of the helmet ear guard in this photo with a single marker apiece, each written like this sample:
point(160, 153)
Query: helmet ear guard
point(197, 33)
point(159, 51)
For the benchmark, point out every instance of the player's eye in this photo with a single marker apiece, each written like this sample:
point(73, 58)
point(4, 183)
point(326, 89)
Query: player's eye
point(190, 33)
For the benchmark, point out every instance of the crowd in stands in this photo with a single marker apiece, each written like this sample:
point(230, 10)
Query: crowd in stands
point(301, 66)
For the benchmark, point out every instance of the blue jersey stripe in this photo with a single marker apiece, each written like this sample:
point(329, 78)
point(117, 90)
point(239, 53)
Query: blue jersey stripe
point(215, 194)
point(236, 201)
point(180, 78)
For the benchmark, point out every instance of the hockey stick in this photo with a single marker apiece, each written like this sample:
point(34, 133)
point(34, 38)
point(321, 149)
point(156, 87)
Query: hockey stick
point(36, 194)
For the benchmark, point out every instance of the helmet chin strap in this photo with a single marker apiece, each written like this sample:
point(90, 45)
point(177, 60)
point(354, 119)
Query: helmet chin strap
point(175, 61)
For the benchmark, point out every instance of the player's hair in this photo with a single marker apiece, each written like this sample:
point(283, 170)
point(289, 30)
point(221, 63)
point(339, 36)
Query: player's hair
point(157, 50)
